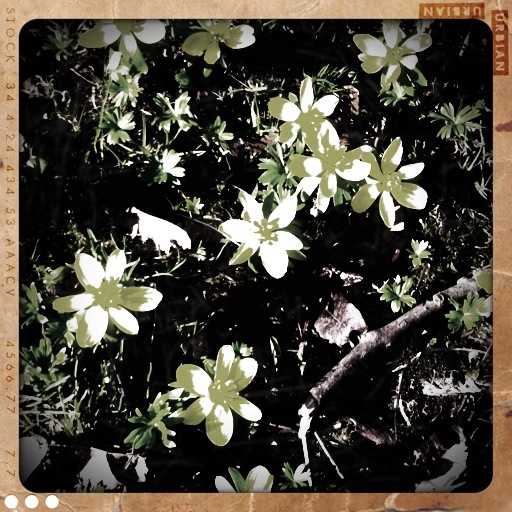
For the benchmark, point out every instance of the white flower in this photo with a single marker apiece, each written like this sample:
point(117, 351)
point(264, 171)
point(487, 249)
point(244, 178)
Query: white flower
point(216, 398)
point(258, 480)
point(377, 54)
point(107, 32)
point(169, 161)
point(303, 114)
point(255, 233)
point(216, 32)
point(105, 299)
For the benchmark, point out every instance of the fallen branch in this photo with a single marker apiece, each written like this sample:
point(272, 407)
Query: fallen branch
point(372, 340)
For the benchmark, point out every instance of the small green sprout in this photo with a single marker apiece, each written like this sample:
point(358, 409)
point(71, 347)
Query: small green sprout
point(118, 125)
point(457, 123)
point(397, 293)
point(474, 309)
point(158, 420)
point(419, 252)
point(295, 479)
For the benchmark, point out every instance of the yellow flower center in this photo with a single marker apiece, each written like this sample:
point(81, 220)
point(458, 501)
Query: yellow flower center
point(108, 294)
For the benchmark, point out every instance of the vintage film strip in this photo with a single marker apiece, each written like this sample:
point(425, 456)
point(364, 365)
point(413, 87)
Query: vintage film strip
point(15, 15)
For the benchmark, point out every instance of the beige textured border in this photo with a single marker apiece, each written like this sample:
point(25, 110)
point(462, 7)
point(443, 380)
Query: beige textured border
point(13, 15)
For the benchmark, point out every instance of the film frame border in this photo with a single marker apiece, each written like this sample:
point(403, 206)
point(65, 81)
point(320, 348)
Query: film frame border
point(15, 13)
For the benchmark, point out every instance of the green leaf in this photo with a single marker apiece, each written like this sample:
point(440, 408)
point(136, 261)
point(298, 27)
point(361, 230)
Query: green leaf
point(238, 479)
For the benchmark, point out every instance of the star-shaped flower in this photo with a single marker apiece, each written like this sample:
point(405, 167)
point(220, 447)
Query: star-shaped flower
point(216, 32)
point(218, 396)
point(303, 114)
point(388, 183)
point(105, 299)
point(377, 54)
point(265, 235)
point(107, 32)
point(330, 160)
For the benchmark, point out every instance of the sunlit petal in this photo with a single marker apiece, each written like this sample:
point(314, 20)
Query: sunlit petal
point(409, 61)
point(304, 166)
point(245, 408)
point(89, 271)
point(288, 241)
point(259, 480)
point(222, 485)
point(251, 206)
point(390, 28)
point(124, 320)
point(392, 73)
point(370, 45)
point(198, 411)
point(128, 45)
point(408, 172)
point(371, 64)
point(140, 298)
point(356, 170)
point(387, 209)
point(283, 109)
point(274, 259)
point(193, 379)
point(410, 195)
point(288, 133)
point(326, 105)
point(225, 359)
point(151, 31)
point(92, 326)
point(392, 156)
point(73, 303)
point(417, 43)
point(306, 94)
point(104, 33)
point(239, 231)
point(329, 184)
point(243, 372)
point(219, 425)
point(116, 263)
point(240, 37)
point(365, 197)
point(243, 253)
point(285, 212)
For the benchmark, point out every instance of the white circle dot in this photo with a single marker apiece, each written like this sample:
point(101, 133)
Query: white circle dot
point(11, 501)
point(52, 501)
point(31, 501)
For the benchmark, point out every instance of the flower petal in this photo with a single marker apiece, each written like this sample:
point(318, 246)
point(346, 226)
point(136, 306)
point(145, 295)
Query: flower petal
point(283, 109)
point(89, 271)
point(128, 45)
point(326, 105)
point(306, 94)
point(219, 425)
point(410, 195)
point(73, 303)
point(116, 263)
point(212, 54)
point(370, 45)
point(240, 36)
point(288, 133)
point(243, 372)
point(392, 73)
point(409, 61)
point(140, 298)
point(392, 156)
point(245, 408)
point(289, 241)
point(92, 326)
point(104, 33)
point(390, 28)
point(224, 362)
point(259, 480)
point(193, 379)
point(197, 43)
point(150, 31)
point(371, 64)
point(198, 411)
point(124, 320)
point(251, 206)
point(222, 485)
point(365, 197)
point(285, 212)
point(239, 231)
point(243, 253)
point(387, 209)
point(417, 43)
point(305, 166)
point(355, 170)
point(274, 258)
point(408, 172)
point(328, 184)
